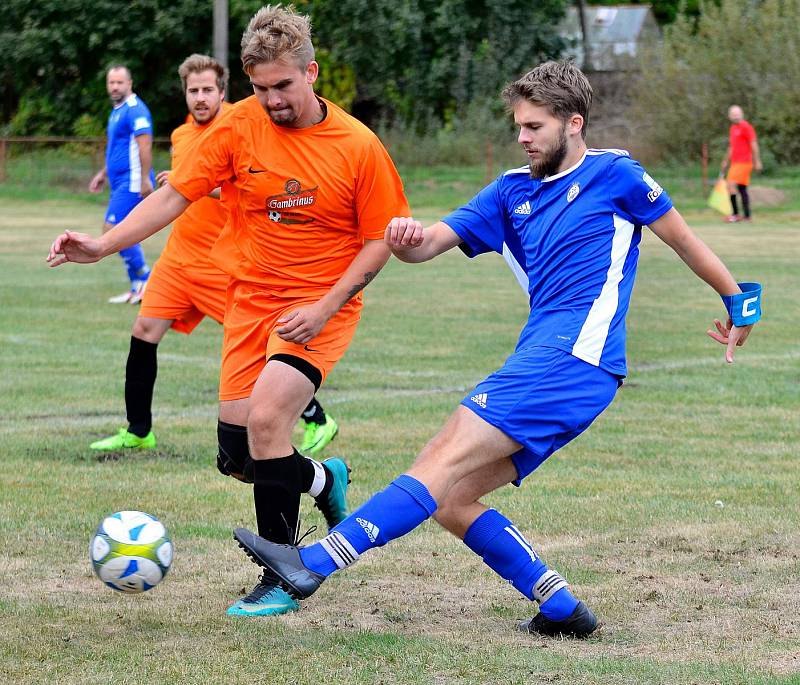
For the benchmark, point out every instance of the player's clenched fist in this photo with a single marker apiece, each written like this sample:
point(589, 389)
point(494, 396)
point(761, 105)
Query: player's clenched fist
point(74, 247)
point(404, 232)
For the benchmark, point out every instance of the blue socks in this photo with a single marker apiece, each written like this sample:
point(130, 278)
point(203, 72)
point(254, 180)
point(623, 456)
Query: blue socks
point(405, 504)
point(387, 515)
point(503, 549)
point(135, 263)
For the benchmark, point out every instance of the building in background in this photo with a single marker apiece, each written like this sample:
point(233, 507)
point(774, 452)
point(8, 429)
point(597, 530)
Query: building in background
point(615, 34)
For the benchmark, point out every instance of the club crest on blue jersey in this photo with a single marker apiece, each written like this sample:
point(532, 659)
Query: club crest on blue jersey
point(573, 191)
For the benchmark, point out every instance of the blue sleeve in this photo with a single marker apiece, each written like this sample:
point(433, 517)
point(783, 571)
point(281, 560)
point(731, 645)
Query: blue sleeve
point(635, 193)
point(479, 223)
point(140, 119)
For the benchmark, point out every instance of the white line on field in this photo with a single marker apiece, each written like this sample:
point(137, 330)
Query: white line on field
point(742, 355)
point(22, 423)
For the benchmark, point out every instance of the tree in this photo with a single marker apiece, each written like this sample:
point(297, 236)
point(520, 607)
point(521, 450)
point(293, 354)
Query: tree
point(420, 62)
point(54, 53)
point(733, 53)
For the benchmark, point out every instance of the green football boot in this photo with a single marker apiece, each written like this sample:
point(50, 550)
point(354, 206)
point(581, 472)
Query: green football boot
point(124, 441)
point(266, 599)
point(317, 436)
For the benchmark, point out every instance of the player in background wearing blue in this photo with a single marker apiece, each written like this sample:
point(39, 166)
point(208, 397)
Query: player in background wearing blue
point(569, 224)
point(128, 170)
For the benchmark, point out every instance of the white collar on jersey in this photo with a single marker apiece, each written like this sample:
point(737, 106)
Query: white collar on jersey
point(130, 100)
point(561, 174)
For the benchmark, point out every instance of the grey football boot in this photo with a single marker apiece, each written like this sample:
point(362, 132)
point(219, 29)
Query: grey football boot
point(282, 560)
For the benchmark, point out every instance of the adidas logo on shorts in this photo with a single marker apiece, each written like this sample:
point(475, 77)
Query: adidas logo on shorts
point(369, 528)
point(480, 399)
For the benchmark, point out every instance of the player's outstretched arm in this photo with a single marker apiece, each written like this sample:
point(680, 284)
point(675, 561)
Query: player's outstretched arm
point(412, 243)
point(674, 231)
point(148, 217)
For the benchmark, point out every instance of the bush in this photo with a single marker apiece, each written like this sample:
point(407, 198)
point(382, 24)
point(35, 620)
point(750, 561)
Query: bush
point(733, 53)
point(479, 130)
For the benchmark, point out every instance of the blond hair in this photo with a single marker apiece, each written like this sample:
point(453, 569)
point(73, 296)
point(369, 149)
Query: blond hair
point(559, 86)
point(195, 64)
point(275, 32)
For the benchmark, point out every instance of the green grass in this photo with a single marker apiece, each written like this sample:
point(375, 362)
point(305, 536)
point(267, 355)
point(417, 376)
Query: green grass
point(675, 516)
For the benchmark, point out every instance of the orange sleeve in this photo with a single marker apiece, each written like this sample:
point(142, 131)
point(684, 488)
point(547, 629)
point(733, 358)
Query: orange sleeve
point(379, 192)
point(196, 175)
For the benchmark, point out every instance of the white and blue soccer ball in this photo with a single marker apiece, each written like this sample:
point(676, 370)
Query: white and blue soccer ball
point(131, 551)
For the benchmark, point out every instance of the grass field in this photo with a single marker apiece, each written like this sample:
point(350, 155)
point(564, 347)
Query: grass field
point(676, 516)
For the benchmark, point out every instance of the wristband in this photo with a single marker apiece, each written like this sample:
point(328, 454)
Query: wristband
point(744, 308)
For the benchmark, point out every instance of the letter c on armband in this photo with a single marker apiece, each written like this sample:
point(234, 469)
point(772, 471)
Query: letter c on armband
point(744, 308)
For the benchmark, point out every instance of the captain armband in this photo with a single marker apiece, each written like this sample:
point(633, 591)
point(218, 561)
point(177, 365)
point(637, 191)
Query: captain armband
point(744, 308)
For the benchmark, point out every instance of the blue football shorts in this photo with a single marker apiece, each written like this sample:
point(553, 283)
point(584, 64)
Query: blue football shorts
point(542, 398)
point(120, 204)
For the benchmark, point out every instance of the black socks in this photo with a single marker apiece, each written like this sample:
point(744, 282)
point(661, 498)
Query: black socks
point(314, 413)
point(140, 379)
point(276, 494)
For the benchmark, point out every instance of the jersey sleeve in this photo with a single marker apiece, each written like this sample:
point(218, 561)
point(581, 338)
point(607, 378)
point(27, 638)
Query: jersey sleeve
point(141, 121)
point(750, 132)
point(196, 175)
point(480, 222)
point(635, 194)
point(379, 192)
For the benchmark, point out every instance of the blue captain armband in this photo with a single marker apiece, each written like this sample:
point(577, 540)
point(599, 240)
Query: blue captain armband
point(744, 308)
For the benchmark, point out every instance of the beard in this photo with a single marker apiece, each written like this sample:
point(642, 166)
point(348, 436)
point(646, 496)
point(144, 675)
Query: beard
point(283, 117)
point(551, 157)
point(204, 116)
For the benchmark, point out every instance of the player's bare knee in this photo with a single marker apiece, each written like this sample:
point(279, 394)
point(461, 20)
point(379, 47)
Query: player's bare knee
point(265, 424)
point(140, 328)
point(148, 329)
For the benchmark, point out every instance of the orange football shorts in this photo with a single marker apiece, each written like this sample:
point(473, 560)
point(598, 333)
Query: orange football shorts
point(739, 173)
point(250, 339)
point(186, 296)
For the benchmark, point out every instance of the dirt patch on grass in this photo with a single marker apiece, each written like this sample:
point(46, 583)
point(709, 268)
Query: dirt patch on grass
point(765, 196)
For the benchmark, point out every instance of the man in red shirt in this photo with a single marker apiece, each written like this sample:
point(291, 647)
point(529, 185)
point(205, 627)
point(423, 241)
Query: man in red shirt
point(742, 155)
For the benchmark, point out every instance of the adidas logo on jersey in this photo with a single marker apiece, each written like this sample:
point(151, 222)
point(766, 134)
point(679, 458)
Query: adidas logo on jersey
point(480, 399)
point(369, 528)
point(524, 209)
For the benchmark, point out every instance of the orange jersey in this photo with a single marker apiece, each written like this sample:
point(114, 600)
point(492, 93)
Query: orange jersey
point(196, 230)
point(305, 199)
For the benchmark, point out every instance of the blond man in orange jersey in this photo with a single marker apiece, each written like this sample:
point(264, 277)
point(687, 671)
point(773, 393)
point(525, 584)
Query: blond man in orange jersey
point(315, 190)
point(187, 286)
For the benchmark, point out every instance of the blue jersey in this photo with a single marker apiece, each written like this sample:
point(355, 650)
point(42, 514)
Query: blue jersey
point(572, 241)
point(126, 121)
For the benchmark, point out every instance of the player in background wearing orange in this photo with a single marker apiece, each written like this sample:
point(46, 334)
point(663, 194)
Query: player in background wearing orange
point(315, 190)
point(186, 286)
point(743, 154)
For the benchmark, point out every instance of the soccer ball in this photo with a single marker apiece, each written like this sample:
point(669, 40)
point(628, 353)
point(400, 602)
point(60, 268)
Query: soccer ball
point(131, 551)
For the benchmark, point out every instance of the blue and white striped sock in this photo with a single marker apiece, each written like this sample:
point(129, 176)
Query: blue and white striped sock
point(506, 551)
point(387, 515)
